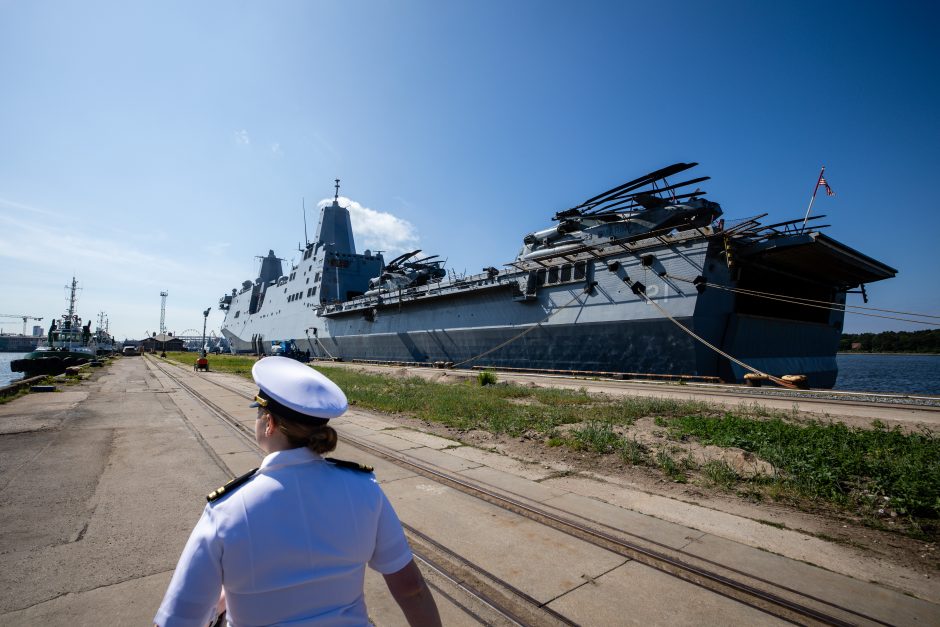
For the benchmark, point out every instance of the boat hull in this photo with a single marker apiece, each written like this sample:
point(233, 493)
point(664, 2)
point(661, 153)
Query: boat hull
point(51, 362)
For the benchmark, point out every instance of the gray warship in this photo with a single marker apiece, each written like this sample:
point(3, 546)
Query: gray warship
point(645, 279)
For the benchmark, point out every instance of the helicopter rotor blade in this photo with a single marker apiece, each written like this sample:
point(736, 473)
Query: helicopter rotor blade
point(618, 191)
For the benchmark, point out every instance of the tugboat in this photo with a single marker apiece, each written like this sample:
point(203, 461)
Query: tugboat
point(67, 344)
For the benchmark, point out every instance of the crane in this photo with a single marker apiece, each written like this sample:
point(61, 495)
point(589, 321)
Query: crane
point(24, 318)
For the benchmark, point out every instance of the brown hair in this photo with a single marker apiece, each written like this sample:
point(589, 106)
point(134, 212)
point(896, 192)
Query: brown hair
point(318, 438)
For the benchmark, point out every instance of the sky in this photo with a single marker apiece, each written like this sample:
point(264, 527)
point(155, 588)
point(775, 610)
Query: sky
point(161, 146)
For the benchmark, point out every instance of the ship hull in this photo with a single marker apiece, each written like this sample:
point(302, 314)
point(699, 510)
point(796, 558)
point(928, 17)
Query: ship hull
point(646, 348)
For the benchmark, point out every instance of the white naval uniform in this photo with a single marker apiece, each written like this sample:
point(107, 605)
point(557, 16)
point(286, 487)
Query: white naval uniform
point(290, 547)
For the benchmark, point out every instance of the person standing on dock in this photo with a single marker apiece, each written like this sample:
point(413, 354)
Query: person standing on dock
point(289, 541)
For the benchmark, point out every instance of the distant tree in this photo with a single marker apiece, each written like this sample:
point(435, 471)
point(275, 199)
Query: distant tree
point(892, 342)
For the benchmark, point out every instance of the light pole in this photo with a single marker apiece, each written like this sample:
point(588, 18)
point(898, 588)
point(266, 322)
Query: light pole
point(205, 319)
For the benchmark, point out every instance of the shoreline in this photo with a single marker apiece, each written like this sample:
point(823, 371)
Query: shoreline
point(899, 354)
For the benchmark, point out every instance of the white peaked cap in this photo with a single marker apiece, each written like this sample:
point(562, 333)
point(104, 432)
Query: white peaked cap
point(299, 387)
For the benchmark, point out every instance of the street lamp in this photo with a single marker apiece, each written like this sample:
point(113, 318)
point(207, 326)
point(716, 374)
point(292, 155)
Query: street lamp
point(205, 319)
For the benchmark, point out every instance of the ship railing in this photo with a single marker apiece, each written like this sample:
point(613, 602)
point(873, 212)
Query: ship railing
point(432, 290)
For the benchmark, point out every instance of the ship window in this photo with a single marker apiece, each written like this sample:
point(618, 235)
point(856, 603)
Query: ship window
point(237, 313)
point(553, 275)
point(317, 277)
point(580, 270)
point(308, 281)
point(566, 272)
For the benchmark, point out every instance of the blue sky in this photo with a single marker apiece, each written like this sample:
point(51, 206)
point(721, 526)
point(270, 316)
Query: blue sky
point(160, 146)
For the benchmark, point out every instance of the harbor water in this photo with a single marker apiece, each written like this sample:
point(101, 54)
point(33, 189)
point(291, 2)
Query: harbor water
point(7, 376)
point(906, 374)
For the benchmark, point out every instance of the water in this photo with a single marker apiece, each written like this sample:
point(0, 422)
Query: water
point(7, 376)
point(911, 374)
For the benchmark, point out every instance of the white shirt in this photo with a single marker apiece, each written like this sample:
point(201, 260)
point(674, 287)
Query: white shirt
point(290, 547)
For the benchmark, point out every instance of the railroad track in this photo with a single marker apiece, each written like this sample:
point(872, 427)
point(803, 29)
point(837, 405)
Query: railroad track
point(491, 600)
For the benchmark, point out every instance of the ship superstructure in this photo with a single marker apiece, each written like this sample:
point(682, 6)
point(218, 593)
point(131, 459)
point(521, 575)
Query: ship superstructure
point(644, 278)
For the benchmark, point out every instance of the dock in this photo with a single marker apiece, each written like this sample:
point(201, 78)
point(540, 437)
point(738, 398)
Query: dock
point(101, 483)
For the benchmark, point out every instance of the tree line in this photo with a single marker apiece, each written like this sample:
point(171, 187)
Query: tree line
point(891, 342)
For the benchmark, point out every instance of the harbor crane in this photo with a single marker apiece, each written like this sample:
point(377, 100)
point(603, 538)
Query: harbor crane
point(23, 317)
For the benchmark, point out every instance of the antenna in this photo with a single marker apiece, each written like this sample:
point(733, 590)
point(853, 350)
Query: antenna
point(336, 197)
point(303, 204)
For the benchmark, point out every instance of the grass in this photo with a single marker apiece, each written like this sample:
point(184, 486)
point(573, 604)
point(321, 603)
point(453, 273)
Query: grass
point(487, 377)
point(232, 364)
point(719, 473)
point(867, 469)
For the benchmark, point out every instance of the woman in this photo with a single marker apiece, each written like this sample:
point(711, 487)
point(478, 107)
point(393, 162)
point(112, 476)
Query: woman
point(288, 543)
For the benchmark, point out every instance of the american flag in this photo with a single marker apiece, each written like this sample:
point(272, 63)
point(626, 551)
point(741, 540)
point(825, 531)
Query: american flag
point(822, 181)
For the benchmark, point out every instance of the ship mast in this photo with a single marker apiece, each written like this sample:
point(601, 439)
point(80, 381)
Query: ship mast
point(73, 287)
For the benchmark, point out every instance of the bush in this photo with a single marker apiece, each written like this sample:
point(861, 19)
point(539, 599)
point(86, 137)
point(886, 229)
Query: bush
point(487, 377)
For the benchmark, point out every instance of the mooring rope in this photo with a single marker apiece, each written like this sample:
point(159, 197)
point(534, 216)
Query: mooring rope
point(529, 330)
point(307, 331)
point(796, 300)
point(837, 306)
point(777, 380)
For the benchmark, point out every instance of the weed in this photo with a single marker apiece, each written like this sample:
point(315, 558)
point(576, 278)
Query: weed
point(634, 452)
point(486, 377)
point(596, 436)
point(669, 466)
point(719, 473)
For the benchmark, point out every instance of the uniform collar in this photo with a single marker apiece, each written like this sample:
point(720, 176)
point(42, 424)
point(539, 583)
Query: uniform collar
point(290, 457)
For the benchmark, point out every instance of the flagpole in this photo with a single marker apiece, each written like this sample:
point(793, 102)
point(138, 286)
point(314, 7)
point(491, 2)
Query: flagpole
point(812, 199)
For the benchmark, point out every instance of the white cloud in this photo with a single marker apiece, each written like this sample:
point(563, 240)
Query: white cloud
point(378, 230)
point(16, 205)
point(242, 138)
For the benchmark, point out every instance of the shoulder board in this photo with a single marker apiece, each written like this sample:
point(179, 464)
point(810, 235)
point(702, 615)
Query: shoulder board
point(230, 486)
point(342, 463)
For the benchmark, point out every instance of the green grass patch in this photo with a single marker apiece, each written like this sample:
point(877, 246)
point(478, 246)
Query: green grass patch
point(866, 468)
point(232, 364)
point(487, 377)
point(670, 467)
point(719, 473)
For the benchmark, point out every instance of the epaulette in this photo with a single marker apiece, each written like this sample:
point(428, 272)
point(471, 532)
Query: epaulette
point(342, 463)
point(230, 486)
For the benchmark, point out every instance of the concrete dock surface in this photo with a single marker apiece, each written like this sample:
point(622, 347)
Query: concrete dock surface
point(102, 482)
